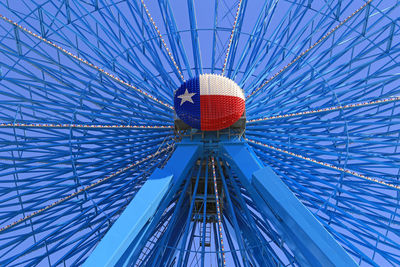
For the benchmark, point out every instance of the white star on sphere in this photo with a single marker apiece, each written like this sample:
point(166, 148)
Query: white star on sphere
point(186, 97)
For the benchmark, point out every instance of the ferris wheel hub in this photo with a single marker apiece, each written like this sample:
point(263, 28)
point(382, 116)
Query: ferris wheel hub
point(209, 102)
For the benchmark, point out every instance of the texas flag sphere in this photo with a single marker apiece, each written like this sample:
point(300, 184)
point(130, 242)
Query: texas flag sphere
point(209, 102)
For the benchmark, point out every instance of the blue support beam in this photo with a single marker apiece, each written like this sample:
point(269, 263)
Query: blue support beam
point(174, 36)
point(308, 239)
point(126, 233)
point(195, 38)
point(129, 225)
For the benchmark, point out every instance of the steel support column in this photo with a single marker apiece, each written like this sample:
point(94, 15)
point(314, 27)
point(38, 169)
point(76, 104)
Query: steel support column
point(308, 239)
point(116, 245)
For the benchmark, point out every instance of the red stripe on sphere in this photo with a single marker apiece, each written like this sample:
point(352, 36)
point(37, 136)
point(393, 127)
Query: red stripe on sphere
point(220, 111)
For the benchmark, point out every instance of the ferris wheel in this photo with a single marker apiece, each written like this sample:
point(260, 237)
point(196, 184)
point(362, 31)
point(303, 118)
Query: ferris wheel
point(199, 133)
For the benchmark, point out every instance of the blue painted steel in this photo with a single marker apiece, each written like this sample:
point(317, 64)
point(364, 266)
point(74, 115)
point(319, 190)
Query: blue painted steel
point(232, 213)
point(246, 216)
point(128, 229)
point(169, 237)
point(131, 222)
point(189, 217)
point(318, 247)
point(249, 162)
point(40, 83)
point(309, 240)
point(235, 38)
point(180, 164)
point(195, 38)
point(204, 217)
point(174, 36)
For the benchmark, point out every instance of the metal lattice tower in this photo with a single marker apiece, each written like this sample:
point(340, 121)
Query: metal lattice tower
point(96, 168)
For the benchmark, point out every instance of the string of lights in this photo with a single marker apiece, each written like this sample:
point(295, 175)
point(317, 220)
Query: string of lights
point(218, 212)
point(309, 49)
point(83, 126)
point(112, 76)
point(163, 41)
point(327, 165)
point(231, 37)
point(83, 189)
point(309, 112)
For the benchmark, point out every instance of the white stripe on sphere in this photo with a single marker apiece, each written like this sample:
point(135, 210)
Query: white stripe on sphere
point(214, 84)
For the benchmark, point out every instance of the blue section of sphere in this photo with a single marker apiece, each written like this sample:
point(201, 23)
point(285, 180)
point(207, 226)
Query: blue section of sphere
point(189, 112)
